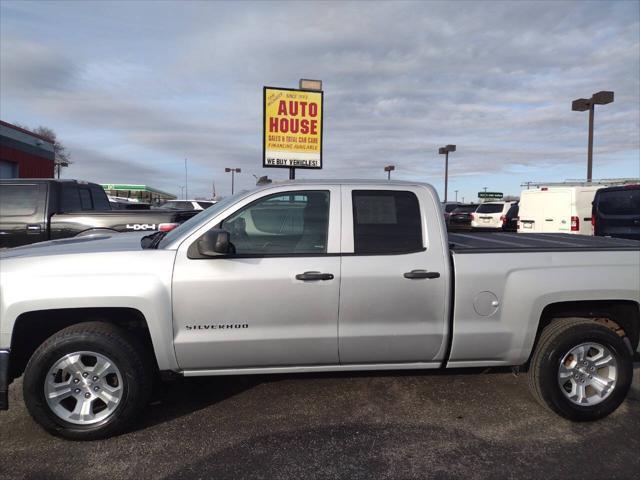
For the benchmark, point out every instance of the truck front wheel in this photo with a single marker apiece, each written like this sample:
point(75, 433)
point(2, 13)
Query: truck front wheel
point(580, 369)
point(87, 381)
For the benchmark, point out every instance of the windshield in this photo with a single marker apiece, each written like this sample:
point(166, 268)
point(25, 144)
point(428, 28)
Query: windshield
point(201, 217)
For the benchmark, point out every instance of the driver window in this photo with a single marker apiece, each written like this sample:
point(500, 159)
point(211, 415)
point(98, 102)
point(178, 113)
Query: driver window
point(284, 223)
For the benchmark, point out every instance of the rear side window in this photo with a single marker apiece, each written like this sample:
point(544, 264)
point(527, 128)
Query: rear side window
point(490, 208)
point(70, 200)
point(100, 200)
point(386, 222)
point(85, 199)
point(620, 202)
point(205, 205)
point(18, 200)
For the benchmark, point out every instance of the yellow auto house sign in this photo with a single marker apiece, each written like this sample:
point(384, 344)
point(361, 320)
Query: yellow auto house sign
point(292, 128)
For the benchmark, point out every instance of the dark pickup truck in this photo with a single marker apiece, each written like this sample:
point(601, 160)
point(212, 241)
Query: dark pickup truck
point(45, 209)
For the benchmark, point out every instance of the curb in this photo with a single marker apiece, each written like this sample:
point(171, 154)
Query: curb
point(635, 383)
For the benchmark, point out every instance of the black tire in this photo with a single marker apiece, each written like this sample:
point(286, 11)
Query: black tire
point(102, 338)
point(558, 339)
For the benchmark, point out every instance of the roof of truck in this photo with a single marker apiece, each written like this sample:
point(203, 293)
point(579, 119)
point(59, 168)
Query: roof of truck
point(348, 181)
point(46, 180)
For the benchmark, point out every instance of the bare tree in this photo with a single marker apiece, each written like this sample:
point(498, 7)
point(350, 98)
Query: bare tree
point(62, 156)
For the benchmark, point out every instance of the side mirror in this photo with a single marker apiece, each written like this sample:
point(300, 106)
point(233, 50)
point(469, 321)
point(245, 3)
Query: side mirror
point(214, 242)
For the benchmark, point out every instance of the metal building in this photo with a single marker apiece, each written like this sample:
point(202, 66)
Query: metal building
point(24, 154)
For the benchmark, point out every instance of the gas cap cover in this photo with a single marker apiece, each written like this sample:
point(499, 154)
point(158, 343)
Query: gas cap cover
point(485, 304)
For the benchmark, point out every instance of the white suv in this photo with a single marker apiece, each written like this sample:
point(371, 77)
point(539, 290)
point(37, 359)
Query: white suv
point(489, 214)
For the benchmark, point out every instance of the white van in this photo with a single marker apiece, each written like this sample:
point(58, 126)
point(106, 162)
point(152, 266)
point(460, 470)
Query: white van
point(561, 209)
point(489, 214)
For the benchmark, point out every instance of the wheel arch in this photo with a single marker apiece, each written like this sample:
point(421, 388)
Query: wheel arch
point(31, 329)
point(622, 316)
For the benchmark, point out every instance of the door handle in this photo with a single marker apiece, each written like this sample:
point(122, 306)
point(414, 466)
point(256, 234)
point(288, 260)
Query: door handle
point(33, 228)
point(308, 276)
point(548, 219)
point(413, 274)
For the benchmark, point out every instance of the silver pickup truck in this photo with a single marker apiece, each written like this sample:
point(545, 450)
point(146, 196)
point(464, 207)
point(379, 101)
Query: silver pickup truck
point(307, 277)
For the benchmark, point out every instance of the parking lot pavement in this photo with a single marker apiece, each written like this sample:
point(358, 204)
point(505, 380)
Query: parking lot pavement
point(355, 426)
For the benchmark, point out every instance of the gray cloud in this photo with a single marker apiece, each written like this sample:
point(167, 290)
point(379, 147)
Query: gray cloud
point(401, 78)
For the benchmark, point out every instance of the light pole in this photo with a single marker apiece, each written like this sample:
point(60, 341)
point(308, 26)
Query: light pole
point(583, 104)
point(445, 151)
point(181, 187)
point(389, 169)
point(456, 195)
point(233, 172)
point(186, 182)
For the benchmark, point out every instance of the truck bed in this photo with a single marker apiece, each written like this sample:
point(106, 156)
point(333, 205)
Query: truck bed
point(460, 243)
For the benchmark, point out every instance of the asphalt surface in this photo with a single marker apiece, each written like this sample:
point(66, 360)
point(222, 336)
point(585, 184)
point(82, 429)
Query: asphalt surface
point(355, 426)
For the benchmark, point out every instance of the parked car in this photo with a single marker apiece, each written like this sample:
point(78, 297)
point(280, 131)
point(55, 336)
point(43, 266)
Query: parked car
point(616, 212)
point(122, 203)
point(557, 209)
point(489, 215)
point(447, 208)
point(460, 218)
point(308, 277)
point(510, 219)
point(46, 209)
point(187, 205)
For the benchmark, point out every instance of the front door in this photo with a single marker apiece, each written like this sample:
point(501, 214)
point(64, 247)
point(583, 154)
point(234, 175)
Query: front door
point(393, 296)
point(275, 301)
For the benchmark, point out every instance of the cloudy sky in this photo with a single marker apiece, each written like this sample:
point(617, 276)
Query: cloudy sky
point(132, 89)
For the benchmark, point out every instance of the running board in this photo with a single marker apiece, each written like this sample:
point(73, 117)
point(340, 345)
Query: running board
point(313, 368)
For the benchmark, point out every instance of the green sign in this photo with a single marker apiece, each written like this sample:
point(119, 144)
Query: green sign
point(490, 195)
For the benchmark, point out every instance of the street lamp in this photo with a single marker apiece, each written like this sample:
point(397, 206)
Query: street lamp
point(389, 169)
point(186, 181)
point(584, 104)
point(456, 195)
point(445, 151)
point(233, 172)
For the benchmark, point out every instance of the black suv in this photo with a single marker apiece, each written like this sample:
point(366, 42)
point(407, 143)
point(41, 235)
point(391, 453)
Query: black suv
point(616, 212)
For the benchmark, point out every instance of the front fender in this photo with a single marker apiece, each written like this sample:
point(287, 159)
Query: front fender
point(102, 281)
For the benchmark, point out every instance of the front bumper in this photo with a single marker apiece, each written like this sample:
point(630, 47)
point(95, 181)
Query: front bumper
point(4, 379)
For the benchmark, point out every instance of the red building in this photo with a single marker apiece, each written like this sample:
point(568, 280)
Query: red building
point(24, 154)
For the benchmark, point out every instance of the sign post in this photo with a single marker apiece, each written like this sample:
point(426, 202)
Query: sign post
point(292, 129)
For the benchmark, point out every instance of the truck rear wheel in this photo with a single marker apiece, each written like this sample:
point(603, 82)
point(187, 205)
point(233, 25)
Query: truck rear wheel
point(580, 369)
point(87, 381)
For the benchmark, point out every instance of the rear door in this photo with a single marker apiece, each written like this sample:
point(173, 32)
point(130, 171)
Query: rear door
point(393, 293)
point(22, 213)
point(556, 208)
